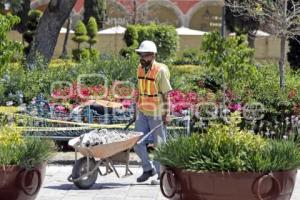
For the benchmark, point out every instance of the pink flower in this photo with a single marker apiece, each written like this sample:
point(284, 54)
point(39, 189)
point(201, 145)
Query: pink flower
point(127, 103)
point(234, 107)
point(192, 97)
point(60, 108)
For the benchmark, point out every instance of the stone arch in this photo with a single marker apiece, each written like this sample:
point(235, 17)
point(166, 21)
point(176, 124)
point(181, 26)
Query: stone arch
point(162, 11)
point(117, 14)
point(205, 15)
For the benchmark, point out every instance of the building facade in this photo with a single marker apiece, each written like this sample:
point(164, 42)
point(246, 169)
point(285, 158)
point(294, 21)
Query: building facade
point(202, 15)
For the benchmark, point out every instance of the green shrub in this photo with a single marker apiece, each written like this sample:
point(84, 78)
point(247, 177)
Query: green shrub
point(164, 36)
point(186, 77)
point(25, 152)
point(94, 54)
point(8, 48)
point(31, 83)
point(228, 61)
point(128, 51)
point(92, 30)
point(131, 36)
point(227, 148)
point(80, 33)
point(81, 54)
point(188, 57)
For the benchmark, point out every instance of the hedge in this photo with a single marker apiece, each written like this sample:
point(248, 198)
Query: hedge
point(164, 36)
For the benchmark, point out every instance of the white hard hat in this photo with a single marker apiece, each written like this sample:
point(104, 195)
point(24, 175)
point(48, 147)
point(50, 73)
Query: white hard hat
point(147, 46)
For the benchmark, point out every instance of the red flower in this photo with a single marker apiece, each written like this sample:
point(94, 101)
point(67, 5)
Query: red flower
point(292, 94)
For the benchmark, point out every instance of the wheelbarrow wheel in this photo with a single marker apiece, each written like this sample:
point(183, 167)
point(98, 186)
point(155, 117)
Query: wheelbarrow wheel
point(80, 168)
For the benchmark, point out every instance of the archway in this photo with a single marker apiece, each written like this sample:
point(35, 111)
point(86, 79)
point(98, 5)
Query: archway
point(206, 16)
point(162, 11)
point(117, 14)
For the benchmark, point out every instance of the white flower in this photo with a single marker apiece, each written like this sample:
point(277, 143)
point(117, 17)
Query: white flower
point(9, 103)
point(267, 133)
point(272, 132)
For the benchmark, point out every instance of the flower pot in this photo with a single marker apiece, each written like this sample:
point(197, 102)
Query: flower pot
point(185, 185)
point(17, 183)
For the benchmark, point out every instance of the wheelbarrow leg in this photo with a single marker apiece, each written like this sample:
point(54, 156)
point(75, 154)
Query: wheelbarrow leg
point(127, 170)
point(111, 164)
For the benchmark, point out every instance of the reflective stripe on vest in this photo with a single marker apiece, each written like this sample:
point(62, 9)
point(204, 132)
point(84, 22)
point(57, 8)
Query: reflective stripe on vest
point(148, 99)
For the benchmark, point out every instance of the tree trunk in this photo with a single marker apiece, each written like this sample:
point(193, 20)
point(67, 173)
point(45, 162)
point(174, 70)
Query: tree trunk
point(251, 39)
point(134, 16)
point(282, 61)
point(64, 52)
point(48, 31)
point(282, 52)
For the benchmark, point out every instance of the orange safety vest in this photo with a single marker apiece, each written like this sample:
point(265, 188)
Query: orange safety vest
point(148, 93)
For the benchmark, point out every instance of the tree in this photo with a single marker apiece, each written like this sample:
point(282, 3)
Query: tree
point(80, 33)
point(92, 33)
point(8, 48)
point(294, 53)
point(276, 19)
point(80, 37)
point(19, 8)
point(96, 9)
point(64, 53)
point(241, 25)
point(294, 50)
point(48, 30)
point(92, 30)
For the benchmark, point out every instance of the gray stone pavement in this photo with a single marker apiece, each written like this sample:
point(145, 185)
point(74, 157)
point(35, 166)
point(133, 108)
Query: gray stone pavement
point(57, 187)
point(109, 187)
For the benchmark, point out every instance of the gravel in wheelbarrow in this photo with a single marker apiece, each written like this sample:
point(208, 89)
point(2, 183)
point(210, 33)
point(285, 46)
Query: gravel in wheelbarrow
point(107, 146)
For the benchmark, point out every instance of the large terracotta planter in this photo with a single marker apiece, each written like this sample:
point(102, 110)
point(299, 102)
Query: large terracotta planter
point(178, 184)
point(21, 184)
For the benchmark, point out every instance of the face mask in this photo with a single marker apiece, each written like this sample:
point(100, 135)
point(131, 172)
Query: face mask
point(145, 63)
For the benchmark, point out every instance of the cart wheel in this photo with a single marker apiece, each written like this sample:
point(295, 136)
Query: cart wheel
point(79, 169)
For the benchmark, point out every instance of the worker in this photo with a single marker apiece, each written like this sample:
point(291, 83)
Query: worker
point(152, 106)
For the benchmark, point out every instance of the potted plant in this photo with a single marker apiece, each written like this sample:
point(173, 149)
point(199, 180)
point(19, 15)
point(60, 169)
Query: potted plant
point(228, 163)
point(22, 163)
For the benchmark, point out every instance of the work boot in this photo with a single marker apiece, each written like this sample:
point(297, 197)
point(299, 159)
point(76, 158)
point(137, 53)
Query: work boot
point(146, 175)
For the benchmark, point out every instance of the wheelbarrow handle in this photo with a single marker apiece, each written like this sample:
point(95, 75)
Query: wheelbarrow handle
point(129, 124)
point(150, 132)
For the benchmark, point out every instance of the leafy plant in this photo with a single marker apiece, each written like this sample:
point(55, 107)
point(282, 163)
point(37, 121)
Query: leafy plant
point(229, 61)
point(23, 151)
point(8, 48)
point(92, 31)
point(79, 38)
point(165, 38)
point(80, 33)
point(188, 57)
point(228, 148)
point(27, 84)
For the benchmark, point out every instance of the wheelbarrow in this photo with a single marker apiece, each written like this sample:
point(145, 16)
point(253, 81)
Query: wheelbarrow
point(86, 169)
